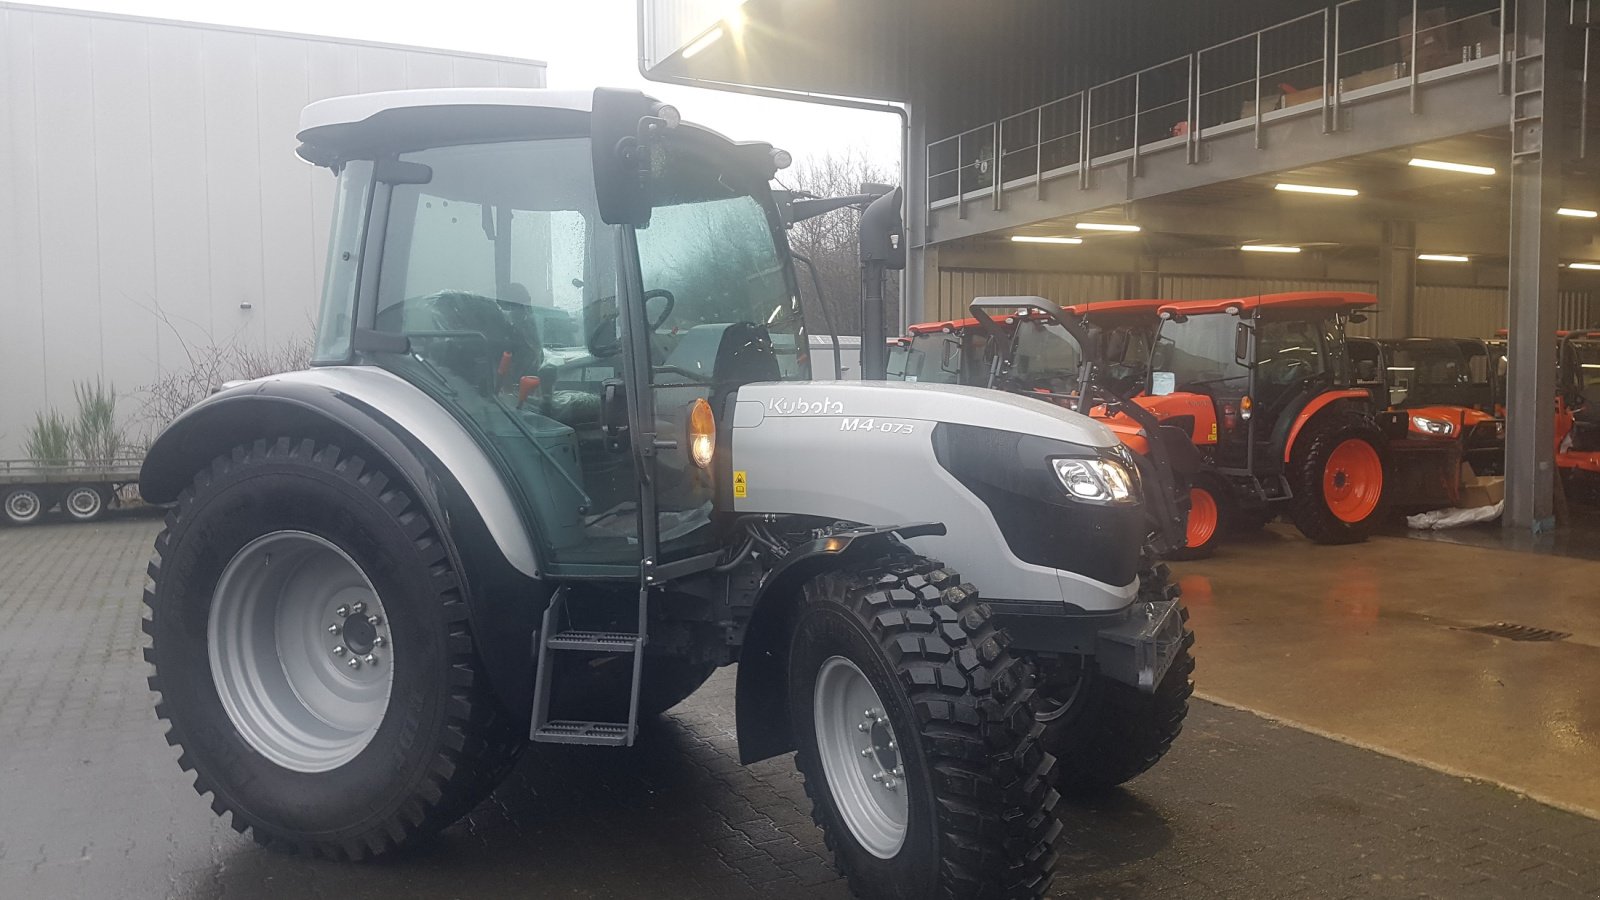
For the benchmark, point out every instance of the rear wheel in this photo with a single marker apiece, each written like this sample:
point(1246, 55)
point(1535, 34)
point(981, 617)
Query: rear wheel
point(83, 503)
point(23, 505)
point(1105, 732)
point(313, 655)
point(1338, 468)
point(918, 750)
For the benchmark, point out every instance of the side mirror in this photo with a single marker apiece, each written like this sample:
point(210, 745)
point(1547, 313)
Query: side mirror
point(622, 127)
point(1356, 318)
point(1241, 344)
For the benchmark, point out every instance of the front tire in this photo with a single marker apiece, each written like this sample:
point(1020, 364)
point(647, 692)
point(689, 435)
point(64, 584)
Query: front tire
point(1105, 732)
point(262, 591)
point(937, 785)
point(1210, 515)
point(1338, 466)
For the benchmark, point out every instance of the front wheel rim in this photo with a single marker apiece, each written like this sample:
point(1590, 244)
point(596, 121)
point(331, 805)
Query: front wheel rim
point(1202, 517)
point(300, 653)
point(1352, 481)
point(860, 757)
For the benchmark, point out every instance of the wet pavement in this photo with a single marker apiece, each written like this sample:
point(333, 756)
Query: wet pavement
point(92, 803)
point(1374, 643)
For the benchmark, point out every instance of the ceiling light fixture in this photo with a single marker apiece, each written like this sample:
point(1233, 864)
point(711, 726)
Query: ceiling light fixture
point(1317, 189)
point(1577, 213)
point(704, 41)
point(1268, 248)
point(1590, 266)
point(1036, 239)
point(1107, 226)
point(1452, 167)
point(1443, 257)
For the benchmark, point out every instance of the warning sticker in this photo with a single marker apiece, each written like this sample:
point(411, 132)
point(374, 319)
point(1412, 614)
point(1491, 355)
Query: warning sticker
point(1213, 432)
point(740, 483)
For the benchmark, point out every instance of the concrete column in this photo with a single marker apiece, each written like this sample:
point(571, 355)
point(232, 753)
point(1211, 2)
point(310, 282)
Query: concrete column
point(1536, 161)
point(1397, 280)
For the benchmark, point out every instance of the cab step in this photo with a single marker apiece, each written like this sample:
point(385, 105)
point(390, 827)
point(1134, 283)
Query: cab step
point(604, 734)
point(595, 641)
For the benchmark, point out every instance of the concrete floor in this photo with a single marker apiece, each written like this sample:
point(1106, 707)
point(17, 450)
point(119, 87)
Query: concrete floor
point(1355, 641)
point(1369, 643)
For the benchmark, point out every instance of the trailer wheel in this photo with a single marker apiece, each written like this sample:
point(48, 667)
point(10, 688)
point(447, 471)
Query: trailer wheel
point(24, 506)
point(83, 503)
point(313, 655)
point(916, 743)
point(1338, 467)
point(1105, 732)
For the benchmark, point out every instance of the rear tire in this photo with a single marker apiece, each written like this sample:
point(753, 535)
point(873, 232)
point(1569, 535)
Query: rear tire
point(83, 503)
point(236, 645)
point(1105, 732)
point(24, 505)
point(958, 802)
point(1338, 468)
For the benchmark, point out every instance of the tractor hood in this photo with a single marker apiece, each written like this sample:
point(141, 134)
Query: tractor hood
point(899, 401)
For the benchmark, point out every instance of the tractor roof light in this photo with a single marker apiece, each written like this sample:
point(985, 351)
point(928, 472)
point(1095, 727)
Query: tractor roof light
point(702, 433)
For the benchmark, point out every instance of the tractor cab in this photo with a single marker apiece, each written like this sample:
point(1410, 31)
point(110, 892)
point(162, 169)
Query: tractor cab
point(1578, 407)
point(1451, 389)
point(953, 352)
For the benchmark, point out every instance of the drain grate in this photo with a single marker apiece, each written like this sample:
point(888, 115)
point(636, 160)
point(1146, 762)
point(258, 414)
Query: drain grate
point(1521, 632)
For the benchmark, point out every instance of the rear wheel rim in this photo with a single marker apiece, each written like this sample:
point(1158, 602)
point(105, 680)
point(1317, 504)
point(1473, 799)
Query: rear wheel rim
point(1352, 480)
point(300, 651)
point(23, 506)
point(860, 757)
point(1203, 516)
point(83, 503)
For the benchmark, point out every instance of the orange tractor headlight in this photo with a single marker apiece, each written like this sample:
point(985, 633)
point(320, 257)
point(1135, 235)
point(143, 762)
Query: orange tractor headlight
point(702, 433)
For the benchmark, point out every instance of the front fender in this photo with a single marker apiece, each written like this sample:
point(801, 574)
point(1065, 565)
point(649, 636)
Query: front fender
point(761, 705)
point(1317, 404)
point(391, 422)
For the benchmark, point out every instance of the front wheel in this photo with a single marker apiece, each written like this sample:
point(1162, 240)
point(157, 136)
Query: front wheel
point(1210, 515)
point(1105, 732)
point(314, 657)
point(24, 506)
point(919, 753)
point(1337, 468)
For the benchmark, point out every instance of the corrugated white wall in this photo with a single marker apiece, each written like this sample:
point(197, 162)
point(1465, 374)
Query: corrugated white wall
point(149, 188)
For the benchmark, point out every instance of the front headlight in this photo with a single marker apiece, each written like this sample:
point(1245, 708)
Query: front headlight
point(1433, 426)
point(1097, 480)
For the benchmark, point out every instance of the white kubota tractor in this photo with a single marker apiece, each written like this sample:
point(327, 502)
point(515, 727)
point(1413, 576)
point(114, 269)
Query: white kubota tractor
point(560, 458)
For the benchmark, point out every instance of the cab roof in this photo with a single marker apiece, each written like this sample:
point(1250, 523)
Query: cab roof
point(1117, 308)
point(1332, 301)
point(348, 127)
point(935, 327)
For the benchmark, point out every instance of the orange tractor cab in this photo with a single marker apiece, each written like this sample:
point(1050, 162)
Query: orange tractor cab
point(950, 352)
point(1264, 387)
point(1451, 389)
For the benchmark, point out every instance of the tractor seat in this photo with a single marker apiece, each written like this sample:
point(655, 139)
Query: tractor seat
point(578, 410)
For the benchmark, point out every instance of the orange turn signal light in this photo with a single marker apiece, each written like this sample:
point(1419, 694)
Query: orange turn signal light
point(702, 433)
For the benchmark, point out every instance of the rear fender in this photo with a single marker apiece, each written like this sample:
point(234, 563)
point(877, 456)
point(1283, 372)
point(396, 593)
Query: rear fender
point(399, 427)
point(1318, 404)
point(762, 699)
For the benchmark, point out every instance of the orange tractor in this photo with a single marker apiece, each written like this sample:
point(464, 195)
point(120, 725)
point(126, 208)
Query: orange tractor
point(1578, 408)
point(1451, 389)
point(1265, 388)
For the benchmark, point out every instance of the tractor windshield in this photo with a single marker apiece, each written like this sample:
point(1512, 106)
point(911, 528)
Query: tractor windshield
point(1586, 366)
point(719, 294)
point(1436, 373)
point(1047, 358)
point(1197, 355)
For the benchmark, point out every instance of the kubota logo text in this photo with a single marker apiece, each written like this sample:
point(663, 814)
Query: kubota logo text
point(789, 406)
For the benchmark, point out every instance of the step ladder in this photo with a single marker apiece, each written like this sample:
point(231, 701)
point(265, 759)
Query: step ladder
point(552, 640)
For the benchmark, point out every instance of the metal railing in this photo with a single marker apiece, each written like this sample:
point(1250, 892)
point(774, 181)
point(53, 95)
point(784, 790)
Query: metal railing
point(1240, 83)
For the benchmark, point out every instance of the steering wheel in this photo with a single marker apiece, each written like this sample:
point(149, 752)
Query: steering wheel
point(665, 313)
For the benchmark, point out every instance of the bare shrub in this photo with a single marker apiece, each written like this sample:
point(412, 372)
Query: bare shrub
point(209, 367)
